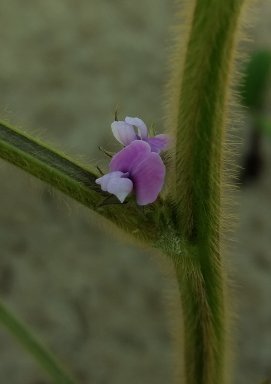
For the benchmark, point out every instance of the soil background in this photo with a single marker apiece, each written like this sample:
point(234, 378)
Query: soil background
point(100, 303)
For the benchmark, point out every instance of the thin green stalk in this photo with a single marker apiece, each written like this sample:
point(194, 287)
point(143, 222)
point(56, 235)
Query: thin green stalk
point(74, 180)
point(198, 117)
point(46, 360)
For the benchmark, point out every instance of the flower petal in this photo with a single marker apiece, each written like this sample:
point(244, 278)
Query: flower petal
point(158, 143)
point(130, 156)
point(139, 124)
point(104, 180)
point(117, 184)
point(148, 178)
point(123, 132)
point(146, 170)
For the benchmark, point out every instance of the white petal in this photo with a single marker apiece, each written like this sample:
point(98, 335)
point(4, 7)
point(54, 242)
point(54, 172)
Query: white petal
point(117, 184)
point(139, 124)
point(104, 180)
point(120, 187)
point(123, 132)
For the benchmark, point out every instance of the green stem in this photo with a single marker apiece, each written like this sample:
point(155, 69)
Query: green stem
point(199, 118)
point(30, 343)
point(200, 113)
point(203, 301)
point(202, 295)
point(74, 180)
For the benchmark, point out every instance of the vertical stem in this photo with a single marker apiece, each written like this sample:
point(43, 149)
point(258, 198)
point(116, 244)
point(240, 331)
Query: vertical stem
point(199, 113)
point(202, 297)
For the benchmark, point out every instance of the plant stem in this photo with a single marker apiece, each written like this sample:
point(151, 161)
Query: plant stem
point(199, 115)
point(201, 112)
point(34, 347)
point(203, 301)
point(74, 180)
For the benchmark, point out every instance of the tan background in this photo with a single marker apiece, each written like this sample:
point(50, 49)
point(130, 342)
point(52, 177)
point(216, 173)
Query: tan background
point(101, 305)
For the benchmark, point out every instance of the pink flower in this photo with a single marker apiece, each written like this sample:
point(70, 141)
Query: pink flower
point(124, 132)
point(136, 168)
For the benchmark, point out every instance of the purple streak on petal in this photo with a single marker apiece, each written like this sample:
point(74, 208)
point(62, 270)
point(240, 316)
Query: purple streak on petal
point(158, 143)
point(139, 124)
point(116, 183)
point(130, 156)
point(148, 178)
point(123, 132)
point(146, 170)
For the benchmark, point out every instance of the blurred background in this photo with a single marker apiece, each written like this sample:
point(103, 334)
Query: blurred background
point(101, 304)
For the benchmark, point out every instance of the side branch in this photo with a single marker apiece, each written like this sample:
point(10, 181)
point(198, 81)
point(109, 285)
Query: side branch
point(73, 179)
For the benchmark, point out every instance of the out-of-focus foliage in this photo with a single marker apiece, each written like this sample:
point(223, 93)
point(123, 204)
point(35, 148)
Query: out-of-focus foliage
point(264, 125)
point(256, 76)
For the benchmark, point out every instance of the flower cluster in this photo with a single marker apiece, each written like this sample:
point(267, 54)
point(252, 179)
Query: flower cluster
point(138, 167)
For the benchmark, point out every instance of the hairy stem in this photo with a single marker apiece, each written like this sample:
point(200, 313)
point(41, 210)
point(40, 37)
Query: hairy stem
point(199, 119)
point(74, 180)
point(200, 113)
point(26, 339)
point(202, 297)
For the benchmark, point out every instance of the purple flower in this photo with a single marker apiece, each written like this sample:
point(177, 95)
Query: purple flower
point(124, 132)
point(135, 168)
